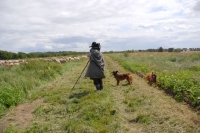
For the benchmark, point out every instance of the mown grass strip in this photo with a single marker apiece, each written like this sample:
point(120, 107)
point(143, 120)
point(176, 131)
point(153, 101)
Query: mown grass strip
point(86, 110)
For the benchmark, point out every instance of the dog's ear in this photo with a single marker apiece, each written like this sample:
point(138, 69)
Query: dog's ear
point(116, 71)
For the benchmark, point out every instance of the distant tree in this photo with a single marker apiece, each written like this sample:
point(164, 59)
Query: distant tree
point(151, 50)
point(160, 49)
point(177, 50)
point(141, 50)
point(5, 55)
point(129, 51)
point(15, 56)
point(21, 55)
point(170, 49)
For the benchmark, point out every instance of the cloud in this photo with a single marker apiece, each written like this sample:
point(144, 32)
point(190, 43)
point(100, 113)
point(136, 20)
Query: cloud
point(34, 25)
point(197, 6)
point(48, 47)
point(184, 26)
point(72, 39)
point(168, 28)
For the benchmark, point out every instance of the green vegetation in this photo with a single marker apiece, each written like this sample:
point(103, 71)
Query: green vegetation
point(18, 83)
point(124, 108)
point(83, 110)
point(5, 55)
point(178, 73)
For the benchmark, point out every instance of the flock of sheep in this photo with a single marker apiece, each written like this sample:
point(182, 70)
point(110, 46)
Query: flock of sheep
point(64, 59)
point(10, 63)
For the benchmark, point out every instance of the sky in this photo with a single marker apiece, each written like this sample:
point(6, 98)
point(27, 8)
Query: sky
point(118, 25)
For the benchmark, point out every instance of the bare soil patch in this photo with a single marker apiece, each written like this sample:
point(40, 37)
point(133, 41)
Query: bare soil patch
point(21, 115)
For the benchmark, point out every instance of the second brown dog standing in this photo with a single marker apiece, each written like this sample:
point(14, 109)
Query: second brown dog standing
point(151, 78)
point(120, 77)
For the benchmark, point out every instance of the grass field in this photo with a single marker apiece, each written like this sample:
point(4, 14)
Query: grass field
point(41, 99)
point(178, 73)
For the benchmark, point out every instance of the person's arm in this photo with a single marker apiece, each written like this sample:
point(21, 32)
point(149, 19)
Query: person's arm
point(89, 55)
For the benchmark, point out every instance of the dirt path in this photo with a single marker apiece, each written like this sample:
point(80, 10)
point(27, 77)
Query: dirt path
point(21, 115)
point(118, 95)
point(143, 108)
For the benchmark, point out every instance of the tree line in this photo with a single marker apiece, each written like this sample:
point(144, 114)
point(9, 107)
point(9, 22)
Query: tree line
point(5, 55)
point(160, 49)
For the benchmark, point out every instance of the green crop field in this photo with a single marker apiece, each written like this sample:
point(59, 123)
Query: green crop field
point(178, 73)
point(38, 97)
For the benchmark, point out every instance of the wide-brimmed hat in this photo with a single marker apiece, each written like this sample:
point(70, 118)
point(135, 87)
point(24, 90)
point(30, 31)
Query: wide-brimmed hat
point(95, 45)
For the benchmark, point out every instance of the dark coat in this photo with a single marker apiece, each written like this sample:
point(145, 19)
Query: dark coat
point(96, 65)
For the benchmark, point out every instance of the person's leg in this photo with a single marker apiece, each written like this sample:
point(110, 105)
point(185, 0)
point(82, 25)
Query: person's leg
point(96, 83)
point(101, 84)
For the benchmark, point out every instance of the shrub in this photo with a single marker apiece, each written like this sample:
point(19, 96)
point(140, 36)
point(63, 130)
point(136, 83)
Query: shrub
point(10, 96)
point(195, 68)
point(173, 59)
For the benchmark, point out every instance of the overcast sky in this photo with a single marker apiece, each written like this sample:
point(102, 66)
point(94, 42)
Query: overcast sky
point(72, 25)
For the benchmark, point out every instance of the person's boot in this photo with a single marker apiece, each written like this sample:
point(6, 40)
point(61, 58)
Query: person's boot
point(97, 86)
point(101, 86)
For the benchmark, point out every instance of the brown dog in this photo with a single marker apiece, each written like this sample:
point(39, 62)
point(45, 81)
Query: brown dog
point(151, 78)
point(120, 77)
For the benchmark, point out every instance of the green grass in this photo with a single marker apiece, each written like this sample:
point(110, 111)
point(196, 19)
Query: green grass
point(94, 113)
point(177, 72)
point(21, 83)
point(115, 109)
point(82, 110)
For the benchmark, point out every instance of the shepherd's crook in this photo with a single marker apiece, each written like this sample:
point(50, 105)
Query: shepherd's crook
point(78, 78)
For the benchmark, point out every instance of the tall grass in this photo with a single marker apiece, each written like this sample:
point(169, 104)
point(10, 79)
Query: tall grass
point(17, 82)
